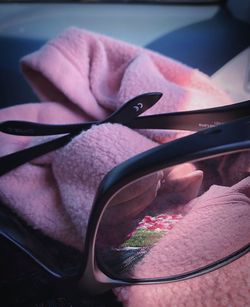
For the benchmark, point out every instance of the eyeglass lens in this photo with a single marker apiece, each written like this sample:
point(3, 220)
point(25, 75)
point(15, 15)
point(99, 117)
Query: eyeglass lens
point(177, 219)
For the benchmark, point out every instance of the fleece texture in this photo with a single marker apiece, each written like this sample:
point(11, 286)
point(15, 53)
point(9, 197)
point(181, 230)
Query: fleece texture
point(228, 286)
point(81, 76)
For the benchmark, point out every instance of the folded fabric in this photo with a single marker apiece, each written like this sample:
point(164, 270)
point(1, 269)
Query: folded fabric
point(86, 76)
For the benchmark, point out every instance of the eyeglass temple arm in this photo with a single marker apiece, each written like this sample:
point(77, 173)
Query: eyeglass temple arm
point(13, 160)
point(187, 120)
point(129, 110)
point(192, 120)
point(36, 129)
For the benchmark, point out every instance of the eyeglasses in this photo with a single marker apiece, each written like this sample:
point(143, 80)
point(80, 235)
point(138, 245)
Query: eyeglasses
point(171, 213)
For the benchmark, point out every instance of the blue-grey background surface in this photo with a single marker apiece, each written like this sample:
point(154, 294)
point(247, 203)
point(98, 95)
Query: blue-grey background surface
point(204, 37)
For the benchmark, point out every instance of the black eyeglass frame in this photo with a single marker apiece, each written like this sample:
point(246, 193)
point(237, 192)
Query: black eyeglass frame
point(224, 138)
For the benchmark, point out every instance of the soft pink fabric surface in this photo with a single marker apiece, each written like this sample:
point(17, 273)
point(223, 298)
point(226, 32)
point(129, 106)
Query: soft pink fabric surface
point(87, 76)
point(228, 286)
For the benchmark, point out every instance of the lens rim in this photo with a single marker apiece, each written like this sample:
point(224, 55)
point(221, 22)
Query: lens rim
point(187, 275)
point(227, 138)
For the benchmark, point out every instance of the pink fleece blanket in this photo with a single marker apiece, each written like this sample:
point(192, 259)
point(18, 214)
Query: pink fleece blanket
point(80, 76)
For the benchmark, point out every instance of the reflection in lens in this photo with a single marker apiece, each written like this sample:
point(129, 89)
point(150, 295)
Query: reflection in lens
point(178, 219)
